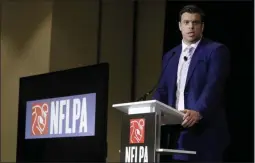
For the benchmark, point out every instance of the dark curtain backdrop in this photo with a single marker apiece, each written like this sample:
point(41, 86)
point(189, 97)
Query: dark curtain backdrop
point(230, 23)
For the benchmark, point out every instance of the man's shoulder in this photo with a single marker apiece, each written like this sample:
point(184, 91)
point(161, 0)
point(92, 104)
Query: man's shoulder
point(172, 51)
point(212, 45)
point(206, 43)
point(215, 48)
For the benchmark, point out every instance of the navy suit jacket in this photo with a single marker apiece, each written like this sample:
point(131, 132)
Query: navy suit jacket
point(204, 92)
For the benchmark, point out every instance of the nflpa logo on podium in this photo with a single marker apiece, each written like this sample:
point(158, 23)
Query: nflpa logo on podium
point(137, 127)
point(136, 145)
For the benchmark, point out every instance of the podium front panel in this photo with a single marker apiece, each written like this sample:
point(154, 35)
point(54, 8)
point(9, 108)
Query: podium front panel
point(138, 138)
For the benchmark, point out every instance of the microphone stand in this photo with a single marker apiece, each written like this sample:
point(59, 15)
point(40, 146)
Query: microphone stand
point(144, 97)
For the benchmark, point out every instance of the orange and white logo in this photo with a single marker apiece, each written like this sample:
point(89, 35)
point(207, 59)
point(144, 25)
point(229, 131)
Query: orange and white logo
point(137, 127)
point(40, 116)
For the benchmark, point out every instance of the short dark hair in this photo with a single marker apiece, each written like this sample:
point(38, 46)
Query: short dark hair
point(192, 9)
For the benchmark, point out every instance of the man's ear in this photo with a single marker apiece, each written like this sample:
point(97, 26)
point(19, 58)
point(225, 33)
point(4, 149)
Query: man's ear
point(203, 25)
point(180, 26)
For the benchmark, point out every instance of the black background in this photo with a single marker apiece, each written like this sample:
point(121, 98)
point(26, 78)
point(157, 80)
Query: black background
point(91, 79)
point(230, 23)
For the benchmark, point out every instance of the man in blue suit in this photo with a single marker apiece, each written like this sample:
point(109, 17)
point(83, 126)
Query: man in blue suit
point(194, 79)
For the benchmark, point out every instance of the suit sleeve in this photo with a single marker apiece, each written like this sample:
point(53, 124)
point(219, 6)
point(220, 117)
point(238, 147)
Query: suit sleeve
point(218, 71)
point(160, 93)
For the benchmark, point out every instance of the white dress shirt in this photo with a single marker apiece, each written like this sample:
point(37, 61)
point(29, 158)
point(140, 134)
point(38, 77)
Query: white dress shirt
point(183, 67)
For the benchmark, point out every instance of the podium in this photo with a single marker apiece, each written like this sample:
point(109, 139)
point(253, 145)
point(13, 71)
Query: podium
point(141, 130)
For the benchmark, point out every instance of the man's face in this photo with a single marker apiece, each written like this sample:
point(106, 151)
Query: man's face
point(191, 27)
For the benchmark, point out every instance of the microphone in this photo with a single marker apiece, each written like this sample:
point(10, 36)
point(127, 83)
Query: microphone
point(152, 90)
point(185, 58)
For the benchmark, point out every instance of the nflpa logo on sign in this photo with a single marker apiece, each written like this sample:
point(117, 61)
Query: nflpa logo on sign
point(137, 127)
point(40, 116)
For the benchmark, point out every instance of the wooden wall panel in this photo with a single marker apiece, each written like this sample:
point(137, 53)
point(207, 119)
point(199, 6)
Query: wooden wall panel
point(150, 32)
point(74, 34)
point(117, 28)
point(25, 50)
point(64, 35)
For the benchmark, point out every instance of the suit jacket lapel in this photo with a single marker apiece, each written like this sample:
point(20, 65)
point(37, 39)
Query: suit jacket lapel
point(173, 70)
point(194, 60)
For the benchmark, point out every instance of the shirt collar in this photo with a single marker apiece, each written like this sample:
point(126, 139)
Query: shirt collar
point(194, 45)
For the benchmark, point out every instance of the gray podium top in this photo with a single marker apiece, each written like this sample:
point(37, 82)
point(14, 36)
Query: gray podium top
point(171, 115)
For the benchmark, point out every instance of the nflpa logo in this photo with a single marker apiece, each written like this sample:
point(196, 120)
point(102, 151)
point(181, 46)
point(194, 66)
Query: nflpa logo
point(39, 125)
point(137, 127)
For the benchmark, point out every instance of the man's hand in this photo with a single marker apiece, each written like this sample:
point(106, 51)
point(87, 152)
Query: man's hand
point(190, 118)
